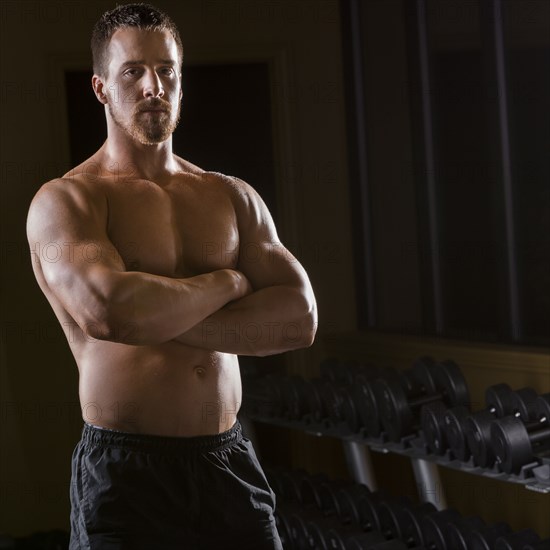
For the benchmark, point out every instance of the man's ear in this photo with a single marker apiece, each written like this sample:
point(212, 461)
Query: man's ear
point(99, 89)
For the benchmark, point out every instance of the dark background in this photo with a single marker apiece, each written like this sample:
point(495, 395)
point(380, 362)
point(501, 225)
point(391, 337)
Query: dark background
point(332, 133)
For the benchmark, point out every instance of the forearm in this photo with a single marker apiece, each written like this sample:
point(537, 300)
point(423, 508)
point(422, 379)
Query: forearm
point(269, 321)
point(145, 309)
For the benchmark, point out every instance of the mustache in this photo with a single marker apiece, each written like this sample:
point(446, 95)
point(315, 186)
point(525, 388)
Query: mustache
point(154, 104)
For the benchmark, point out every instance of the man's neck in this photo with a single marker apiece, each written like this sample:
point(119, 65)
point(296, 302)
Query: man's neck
point(152, 162)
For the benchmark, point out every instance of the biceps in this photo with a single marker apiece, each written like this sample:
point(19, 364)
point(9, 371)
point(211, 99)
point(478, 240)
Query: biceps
point(81, 274)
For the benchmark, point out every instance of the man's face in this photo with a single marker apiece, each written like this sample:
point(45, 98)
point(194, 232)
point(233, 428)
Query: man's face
point(143, 86)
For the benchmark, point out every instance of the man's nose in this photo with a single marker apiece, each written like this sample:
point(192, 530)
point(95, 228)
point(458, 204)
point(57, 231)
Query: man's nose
point(152, 85)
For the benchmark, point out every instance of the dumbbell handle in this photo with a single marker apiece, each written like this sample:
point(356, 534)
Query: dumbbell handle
point(538, 431)
point(425, 399)
point(539, 435)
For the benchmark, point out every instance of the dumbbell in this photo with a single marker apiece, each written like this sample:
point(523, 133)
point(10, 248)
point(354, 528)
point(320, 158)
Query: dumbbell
point(443, 428)
point(477, 427)
point(324, 533)
point(340, 398)
point(358, 505)
point(283, 527)
point(410, 379)
point(485, 538)
point(263, 396)
point(353, 541)
point(518, 540)
point(313, 392)
point(498, 403)
point(433, 428)
point(388, 514)
point(322, 494)
point(515, 442)
point(365, 400)
point(400, 410)
point(287, 484)
point(410, 523)
point(434, 528)
point(459, 531)
point(298, 524)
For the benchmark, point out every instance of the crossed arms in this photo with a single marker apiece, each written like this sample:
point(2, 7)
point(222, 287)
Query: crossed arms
point(265, 306)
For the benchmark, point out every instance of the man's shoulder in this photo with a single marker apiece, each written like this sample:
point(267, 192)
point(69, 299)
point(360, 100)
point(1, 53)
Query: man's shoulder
point(64, 197)
point(66, 186)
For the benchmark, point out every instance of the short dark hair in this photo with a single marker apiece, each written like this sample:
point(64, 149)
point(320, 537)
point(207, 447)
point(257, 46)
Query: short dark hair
point(143, 16)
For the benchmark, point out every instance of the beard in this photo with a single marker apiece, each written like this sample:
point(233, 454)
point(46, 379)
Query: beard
point(146, 127)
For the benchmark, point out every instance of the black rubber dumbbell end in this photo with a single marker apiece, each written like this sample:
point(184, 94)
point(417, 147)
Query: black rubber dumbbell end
point(518, 540)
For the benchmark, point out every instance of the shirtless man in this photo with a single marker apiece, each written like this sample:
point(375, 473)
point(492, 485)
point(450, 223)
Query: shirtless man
point(157, 299)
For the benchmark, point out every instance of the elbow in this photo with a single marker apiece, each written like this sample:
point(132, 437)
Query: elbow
point(309, 328)
point(301, 333)
point(107, 323)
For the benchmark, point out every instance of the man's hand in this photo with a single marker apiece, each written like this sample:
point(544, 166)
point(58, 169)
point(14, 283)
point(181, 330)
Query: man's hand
point(281, 313)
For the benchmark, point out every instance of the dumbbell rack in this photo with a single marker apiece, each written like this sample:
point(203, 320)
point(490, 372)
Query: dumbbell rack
point(357, 447)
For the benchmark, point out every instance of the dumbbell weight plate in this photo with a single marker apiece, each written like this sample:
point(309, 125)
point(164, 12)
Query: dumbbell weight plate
point(328, 495)
point(364, 540)
point(349, 507)
point(478, 435)
point(283, 528)
point(523, 402)
point(367, 409)
point(432, 422)
point(460, 530)
point(511, 444)
point(365, 398)
point(434, 528)
point(294, 397)
point(454, 425)
point(309, 490)
point(350, 411)
point(450, 381)
point(319, 529)
point(486, 537)
point(298, 523)
point(330, 395)
point(422, 371)
point(313, 394)
point(270, 403)
point(517, 540)
point(352, 369)
point(395, 413)
point(389, 514)
point(498, 398)
point(290, 483)
point(410, 520)
point(342, 538)
point(367, 508)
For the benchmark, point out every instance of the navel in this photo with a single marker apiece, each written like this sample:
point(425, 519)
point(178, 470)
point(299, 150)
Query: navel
point(200, 371)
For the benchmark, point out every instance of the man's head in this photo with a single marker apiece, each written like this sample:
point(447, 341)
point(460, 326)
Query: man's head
point(137, 55)
point(141, 16)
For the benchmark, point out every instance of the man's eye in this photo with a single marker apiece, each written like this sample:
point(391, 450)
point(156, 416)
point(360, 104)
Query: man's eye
point(131, 72)
point(168, 71)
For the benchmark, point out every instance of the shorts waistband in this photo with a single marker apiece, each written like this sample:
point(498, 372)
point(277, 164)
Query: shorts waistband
point(105, 437)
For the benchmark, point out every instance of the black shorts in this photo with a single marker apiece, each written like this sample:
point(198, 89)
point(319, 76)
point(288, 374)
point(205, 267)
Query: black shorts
point(137, 492)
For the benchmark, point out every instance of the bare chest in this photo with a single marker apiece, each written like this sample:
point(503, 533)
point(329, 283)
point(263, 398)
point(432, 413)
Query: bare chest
point(175, 232)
